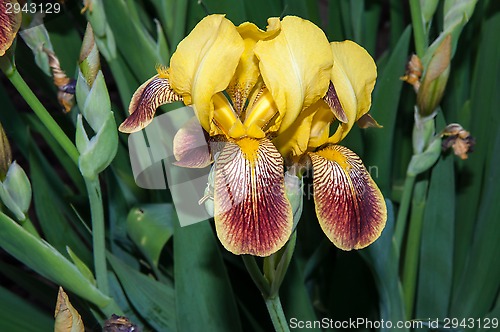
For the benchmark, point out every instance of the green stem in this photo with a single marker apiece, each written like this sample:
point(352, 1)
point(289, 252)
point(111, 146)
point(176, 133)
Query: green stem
point(403, 210)
point(413, 245)
point(277, 315)
point(44, 116)
point(256, 274)
point(419, 33)
point(98, 234)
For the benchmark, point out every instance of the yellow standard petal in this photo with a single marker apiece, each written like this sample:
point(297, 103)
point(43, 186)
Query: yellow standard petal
point(294, 140)
point(247, 73)
point(10, 21)
point(148, 97)
point(204, 63)
point(320, 126)
point(295, 66)
point(353, 76)
point(350, 208)
point(252, 214)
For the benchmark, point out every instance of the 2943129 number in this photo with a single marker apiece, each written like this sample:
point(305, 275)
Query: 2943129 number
point(33, 8)
point(485, 323)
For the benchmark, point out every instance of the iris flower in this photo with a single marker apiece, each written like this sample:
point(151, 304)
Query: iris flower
point(270, 97)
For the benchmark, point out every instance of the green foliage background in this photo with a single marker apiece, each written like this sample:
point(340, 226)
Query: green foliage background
point(168, 278)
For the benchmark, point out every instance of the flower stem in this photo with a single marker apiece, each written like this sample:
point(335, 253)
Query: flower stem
point(98, 234)
point(256, 274)
point(277, 315)
point(419, 34)
point(403, 209)
point(42, 114)
point(413, 245)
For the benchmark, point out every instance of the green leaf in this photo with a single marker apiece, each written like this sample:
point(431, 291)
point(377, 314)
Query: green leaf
point(205, 300)
point(335, 27)
point(479, 285)
point(47, 261)
point(437, 241)
point(17, 314)
point(484, 108)
point(306, 9)
point(143, 57)
point(81, 266)
point(154, 301)
point(51, 208)
point(294, 295)
point(150, 227)
point(384, 109)
point(383, 258)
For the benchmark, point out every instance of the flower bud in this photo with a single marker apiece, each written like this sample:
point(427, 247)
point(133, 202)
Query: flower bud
point(15, 191)
point(434, 80)
point(67, 318)
point(96, 152)
point(36, 36)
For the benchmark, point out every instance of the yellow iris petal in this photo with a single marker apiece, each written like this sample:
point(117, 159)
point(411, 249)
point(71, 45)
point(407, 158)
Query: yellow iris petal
point(320, 126)
point(295, 139)
point(353, 75)
point(204, 63)
point(247, 73)
point(295, 66)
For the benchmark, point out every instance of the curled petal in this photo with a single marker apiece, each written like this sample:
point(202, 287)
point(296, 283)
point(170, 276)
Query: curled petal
point(252, 213)
point(191, 146)
point(320, 126)
point(350, 208)
point(148, 97)
point(10, 21)
point(367, 121)
point(332, 100)
point(353, 75)
point(204, 63)
point(295, 66)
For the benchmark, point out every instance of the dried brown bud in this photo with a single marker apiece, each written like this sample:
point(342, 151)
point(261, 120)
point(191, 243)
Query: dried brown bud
point(414, 71)
point(5, 154)
point(119, 324)
point(67, 318)
point(459, 139)
point(65, 85)
point(367, 121)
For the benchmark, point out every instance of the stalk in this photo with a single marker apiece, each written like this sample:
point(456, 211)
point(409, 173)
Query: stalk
point(419, 34)
point(278, 318)
point(98, 234)
point(42, 114)
point(403, 209)
point(411, 260)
